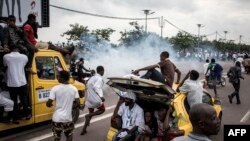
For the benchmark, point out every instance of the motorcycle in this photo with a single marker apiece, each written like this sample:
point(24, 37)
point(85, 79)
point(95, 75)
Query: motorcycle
point(221, 81)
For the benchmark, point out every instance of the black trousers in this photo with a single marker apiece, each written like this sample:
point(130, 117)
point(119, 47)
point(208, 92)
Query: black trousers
point(28, 50)
point(22, 92)
point(236, 91)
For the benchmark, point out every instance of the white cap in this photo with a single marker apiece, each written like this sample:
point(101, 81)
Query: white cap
point(128, 94)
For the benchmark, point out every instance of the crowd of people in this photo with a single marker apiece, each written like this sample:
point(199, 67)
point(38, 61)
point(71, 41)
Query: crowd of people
point(204, 54)
point(136, 123)
point(133, 123)
point(17, 48)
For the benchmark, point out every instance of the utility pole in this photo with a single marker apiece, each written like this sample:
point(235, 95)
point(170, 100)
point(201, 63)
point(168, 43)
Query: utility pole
point(199, 26)
point(146, 12)
point(240, 39)
point(225, 34)
point(216, 33)
point(161, 24)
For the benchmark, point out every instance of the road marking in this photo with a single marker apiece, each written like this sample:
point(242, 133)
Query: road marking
point(38, 128)
point(48, 135)
point(108, 108)
point(246, 116)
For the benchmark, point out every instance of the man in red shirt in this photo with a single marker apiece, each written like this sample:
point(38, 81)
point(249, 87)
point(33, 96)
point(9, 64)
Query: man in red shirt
point(30, 28)
point(167, 68)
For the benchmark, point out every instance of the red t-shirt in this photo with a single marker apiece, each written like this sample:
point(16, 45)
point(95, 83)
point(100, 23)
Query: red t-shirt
point(27, 28)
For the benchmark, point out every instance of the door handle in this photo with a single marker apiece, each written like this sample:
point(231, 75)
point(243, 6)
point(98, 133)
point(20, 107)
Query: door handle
point(39, 87)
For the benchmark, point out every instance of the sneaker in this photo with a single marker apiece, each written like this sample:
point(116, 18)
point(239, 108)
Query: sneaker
point(230, 99)
point(15, 122)
point(28, 117)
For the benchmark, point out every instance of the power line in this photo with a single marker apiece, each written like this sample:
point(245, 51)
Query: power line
point(185, 30)
point(220, 35)
point(126, 18)
point(210, 34)
point(101, 16)
point(177, 27)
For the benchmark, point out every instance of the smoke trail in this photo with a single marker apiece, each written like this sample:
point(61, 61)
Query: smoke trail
point(120, 60)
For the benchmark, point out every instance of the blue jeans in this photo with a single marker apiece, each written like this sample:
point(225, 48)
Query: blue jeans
point(155, 75)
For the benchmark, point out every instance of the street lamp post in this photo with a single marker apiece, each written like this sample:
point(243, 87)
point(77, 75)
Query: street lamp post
point(199, 26)
point(240, 39)
point(225, 35)
point(147, 12)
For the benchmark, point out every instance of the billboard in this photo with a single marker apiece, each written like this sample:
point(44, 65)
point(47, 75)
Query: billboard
point(22, 8)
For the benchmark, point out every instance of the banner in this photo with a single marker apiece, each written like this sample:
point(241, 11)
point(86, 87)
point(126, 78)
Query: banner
point(22, 8)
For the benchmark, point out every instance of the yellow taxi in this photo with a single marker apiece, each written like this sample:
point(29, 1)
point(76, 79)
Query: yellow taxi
point(152, 94)
point(46, 64)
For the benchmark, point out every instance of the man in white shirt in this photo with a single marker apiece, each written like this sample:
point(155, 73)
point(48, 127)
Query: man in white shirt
point(192, 88)
point(94, 97)
point(64, 94)
point(131, 114)
point(16, 81)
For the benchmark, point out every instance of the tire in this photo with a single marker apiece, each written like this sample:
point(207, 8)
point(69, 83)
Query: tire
point(75, 114)
point(223, 81)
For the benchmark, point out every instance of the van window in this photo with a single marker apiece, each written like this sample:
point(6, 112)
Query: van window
point(58, 65)
point(45, 68)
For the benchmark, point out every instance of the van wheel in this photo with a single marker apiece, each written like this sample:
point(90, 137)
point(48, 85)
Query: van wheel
point(75, 114)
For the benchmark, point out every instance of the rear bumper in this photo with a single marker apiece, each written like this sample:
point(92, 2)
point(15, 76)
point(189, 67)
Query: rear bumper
point(112, 131)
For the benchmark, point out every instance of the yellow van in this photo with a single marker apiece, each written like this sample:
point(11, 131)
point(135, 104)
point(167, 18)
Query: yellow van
point(46, 64)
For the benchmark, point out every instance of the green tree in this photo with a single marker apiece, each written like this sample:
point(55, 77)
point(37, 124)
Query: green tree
point(103, 34)
point(75, 32)
point(183, 41)
point(132, 36)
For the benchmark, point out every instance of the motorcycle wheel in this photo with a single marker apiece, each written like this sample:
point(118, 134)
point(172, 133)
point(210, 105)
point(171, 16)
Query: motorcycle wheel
point(223, 82)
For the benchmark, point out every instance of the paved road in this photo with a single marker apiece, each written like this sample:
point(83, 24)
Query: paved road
point(232, 114)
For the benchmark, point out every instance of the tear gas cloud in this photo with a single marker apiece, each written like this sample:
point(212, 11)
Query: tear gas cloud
point(120, 60)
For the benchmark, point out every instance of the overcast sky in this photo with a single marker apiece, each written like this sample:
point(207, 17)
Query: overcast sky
point(215, 15)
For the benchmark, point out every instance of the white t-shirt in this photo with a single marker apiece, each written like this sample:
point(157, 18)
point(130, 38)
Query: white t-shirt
point(194, 91)
point(95, 84)
point(131, 118)
point(15, 72)
point(64, 95)
point(205, 66)
point(94, 88)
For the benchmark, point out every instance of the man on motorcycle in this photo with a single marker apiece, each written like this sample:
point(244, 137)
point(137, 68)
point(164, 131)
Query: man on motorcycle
point(215, 74)
point(80, 70)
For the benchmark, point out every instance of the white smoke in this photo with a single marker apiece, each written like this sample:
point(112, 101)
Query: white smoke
point(120, 60)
